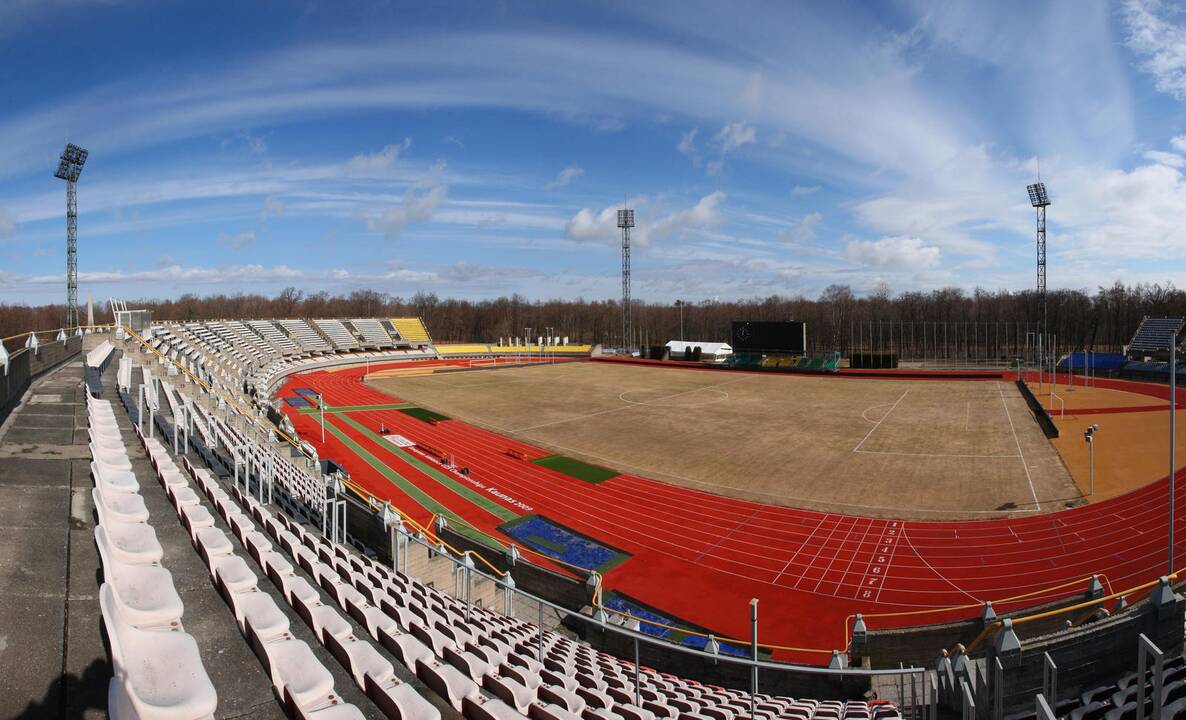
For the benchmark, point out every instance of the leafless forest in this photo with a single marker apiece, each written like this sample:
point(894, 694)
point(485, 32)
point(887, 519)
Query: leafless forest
point(1100, 320)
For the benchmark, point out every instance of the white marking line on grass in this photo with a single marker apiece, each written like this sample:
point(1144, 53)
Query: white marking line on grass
point(968, 417)
point(626, 407)
point(883, 417)
point(934, 455)
point(1024, 464)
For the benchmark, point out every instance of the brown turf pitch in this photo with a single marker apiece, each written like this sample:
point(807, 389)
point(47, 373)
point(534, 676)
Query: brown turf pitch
point(903, 448)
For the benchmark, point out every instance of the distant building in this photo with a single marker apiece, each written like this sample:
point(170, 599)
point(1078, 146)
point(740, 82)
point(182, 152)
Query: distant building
point(709, 351)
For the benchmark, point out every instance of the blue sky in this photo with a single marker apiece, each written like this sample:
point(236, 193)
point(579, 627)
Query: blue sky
point(480, 149)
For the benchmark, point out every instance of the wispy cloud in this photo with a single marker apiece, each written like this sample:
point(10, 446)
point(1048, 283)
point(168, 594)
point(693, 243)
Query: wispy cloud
point(566, 176)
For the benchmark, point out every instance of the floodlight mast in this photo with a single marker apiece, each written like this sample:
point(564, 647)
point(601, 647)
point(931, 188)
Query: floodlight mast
point(1040, 201)
point(625, 222)
point(69, 168)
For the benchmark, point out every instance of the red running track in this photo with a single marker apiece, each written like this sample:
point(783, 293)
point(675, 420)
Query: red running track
point(702, 556)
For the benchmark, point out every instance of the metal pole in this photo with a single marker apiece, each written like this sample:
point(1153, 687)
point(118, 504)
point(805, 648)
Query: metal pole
point(321, 412)
point(1173, 439)
point(1091, 452)
point(637, 689)
point(753, 688)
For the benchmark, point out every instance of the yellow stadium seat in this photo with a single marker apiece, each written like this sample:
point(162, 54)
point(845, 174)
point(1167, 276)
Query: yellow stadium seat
point(411, 329)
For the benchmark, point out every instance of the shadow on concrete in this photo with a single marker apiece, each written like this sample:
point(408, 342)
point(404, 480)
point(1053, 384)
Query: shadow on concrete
point(70, 696)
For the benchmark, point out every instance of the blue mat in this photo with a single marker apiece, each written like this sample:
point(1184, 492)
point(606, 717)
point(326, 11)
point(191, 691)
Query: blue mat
point(552, 539)
point(615, 601)
point(297, 402)
point(306, 392)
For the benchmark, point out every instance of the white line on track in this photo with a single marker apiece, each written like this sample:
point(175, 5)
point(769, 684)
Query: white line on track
point(1024, 464)
point(931, 567)
point(795, 554)
point(883, 417)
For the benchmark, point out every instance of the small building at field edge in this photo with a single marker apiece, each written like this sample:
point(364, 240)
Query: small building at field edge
point(709, 351)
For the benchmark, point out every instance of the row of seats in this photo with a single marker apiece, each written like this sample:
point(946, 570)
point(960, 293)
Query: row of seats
point(304, 335)
point(303, 684)
point(1118, 701)
point(487, 665)
point(337, 334)
point(158, 672)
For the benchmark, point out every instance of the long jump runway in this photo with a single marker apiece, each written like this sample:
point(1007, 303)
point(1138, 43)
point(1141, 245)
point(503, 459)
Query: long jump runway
point(702, 556)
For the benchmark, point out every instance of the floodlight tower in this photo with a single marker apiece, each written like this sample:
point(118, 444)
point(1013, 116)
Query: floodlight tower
point(69, 168)
point(1040, 200)
point(625, 222)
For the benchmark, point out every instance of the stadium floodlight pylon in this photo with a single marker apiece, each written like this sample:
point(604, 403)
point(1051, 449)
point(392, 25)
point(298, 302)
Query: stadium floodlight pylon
point(625, 222)
point(1040, 201)
point(69, 168)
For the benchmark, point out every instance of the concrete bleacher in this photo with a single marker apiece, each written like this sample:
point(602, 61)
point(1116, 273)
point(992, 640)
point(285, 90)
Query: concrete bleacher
point(371, 331)
point(1155, 335)
point(304, 335)
point(337, 334)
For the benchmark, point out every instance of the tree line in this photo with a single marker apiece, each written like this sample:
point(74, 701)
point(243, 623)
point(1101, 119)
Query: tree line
point(1102, 320)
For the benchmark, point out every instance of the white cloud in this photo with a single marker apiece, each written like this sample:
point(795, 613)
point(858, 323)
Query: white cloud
point(377, 163)
point(1153, 34)
point(1178, 142)
point(451, 140)
point(704, 213)
point(805, 189)
point(735, 135)
point(803, 231)
point(566, 176)
point(1165, 158)
point(417, 205)
point(893, 253)
point(589, 225)
point(7, 226)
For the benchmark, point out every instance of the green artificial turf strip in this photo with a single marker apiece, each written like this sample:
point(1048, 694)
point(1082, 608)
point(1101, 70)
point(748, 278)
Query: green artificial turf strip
point(575, 468)
point(355, 408)
point(422, 414)
point(480, 499)
point(421, 497)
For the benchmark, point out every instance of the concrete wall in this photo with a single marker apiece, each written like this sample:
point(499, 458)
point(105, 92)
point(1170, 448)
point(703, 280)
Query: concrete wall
point(1044, 420)
point(25, 365)
point(1091, 655)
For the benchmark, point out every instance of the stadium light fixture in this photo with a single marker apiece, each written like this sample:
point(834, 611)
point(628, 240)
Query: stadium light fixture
point(1038, 196)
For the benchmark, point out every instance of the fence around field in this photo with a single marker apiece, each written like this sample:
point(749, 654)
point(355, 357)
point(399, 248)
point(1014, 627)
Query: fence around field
point(954, 344)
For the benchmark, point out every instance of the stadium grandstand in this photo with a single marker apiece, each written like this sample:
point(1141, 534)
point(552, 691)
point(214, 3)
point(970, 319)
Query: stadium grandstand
point(221, 559)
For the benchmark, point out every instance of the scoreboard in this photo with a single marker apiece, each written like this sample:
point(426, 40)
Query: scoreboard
point(766, 336)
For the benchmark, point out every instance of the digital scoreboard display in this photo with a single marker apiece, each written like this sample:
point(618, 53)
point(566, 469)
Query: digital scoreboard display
point(766, 336)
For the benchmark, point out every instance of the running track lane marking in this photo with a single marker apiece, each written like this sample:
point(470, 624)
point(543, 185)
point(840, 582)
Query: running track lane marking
point(425, 500)
point(869, 523)
point(883, 417)
point(727, 535)
point(819, 549)
point(626, 407)
point(840, 549)
point(890, 539)
point(795, 554)
point(1024, 464)
point(931, 567)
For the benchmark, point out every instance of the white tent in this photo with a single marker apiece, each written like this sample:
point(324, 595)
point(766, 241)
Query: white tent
point(709, 351)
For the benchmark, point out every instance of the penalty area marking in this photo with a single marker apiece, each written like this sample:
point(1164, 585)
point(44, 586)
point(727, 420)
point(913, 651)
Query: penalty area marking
point(883, 417)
